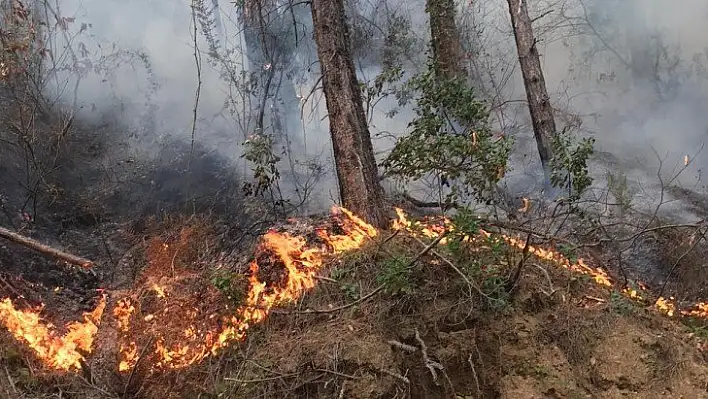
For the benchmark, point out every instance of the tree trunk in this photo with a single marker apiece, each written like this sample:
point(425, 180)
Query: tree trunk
point(544, 125)
point(357, 173)
point(445, 38)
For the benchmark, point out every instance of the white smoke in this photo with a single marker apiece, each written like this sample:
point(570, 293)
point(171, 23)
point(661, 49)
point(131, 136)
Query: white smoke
point(624, 114)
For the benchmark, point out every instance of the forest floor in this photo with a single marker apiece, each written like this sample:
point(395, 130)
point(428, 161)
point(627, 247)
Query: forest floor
point(393, 318)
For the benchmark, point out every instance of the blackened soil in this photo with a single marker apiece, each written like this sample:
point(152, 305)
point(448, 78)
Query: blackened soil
point(31, 280)
point(271, 270)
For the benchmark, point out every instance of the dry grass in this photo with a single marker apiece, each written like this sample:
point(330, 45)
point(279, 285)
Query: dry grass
point(425, 334)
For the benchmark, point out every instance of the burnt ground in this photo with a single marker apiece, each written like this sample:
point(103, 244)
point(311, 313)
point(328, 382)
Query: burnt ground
point(91, 203)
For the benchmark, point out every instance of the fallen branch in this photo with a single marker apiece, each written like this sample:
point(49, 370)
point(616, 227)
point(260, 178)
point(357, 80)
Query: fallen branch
point(44, 249)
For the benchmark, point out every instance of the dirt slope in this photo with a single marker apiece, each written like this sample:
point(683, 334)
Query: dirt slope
point(426, 334)
point(559, 336)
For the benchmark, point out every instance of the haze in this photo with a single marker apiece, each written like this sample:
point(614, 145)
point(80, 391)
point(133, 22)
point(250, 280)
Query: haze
point(627, 113)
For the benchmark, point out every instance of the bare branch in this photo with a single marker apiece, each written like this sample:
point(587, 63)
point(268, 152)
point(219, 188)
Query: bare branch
point(44, 249)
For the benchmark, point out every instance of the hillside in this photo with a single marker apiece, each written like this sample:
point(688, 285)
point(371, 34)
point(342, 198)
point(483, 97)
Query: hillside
point(396, 315)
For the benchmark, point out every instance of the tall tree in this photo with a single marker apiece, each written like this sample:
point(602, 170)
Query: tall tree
point(544, 124)
point(445, 38)
point(357, 172)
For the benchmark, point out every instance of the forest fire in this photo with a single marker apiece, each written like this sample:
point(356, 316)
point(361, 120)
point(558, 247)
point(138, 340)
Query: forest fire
point(56, 351)
point(205, 334)
point(663, 305)
point(301, 263)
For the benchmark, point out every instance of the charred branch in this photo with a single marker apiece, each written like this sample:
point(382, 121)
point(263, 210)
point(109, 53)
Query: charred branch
point(44, 249)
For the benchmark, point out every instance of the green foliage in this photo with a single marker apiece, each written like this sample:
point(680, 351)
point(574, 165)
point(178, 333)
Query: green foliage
point(449, 138)
point(465, 224)
point(620, 304)
point(696, 326)
point(569, 252)
point(232, 286)
point(382, 87)
point(396, 276)
point(569, 166)
point(349, 289)
point(259, 152)
point(399, 41)
point(465, 243)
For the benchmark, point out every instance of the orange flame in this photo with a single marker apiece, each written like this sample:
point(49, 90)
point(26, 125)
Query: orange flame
point(663, 305)
point(300, 260)
point(59, 352)
point(301, 265)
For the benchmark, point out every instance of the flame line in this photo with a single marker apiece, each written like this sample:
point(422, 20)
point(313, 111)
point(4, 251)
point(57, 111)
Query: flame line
point(301, 262)
point(600, 276)
point(61, 352)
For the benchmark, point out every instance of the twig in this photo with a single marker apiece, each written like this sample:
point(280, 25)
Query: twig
point(396, 375)
point(351, 377)
point(44, 249)
point(402, 346)
point(135, 367)
point(517, 274)
point(337, 309)
point(456, 269)
point(548, 277)
point(10, 380)
point(474, 374)
point(198, 64)
point(10, 287)
point(328, 279)
point(257, 380)
point(430, 364)
point(341, 392)
point(379, 247)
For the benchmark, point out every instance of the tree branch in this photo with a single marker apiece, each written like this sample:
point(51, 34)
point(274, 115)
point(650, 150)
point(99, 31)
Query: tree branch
point(44, 249)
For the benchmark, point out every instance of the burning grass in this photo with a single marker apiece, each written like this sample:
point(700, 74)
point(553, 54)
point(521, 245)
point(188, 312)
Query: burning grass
point(186, 309)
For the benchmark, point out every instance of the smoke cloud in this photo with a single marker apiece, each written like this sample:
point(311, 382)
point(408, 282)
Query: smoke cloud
point(634, 72)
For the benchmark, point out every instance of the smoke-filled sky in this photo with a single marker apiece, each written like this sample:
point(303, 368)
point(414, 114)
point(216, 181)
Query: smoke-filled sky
point(587, 69)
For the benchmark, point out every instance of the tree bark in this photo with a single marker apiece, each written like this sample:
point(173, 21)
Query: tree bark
point(359, 188)
point(445, 38)
point(544, 125)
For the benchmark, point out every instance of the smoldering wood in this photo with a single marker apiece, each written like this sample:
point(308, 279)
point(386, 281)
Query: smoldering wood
point(44, 249)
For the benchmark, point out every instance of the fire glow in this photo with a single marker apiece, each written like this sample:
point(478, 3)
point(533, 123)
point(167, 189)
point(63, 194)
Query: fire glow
point(56, 351)
point(663, 305)
point(301, 263)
